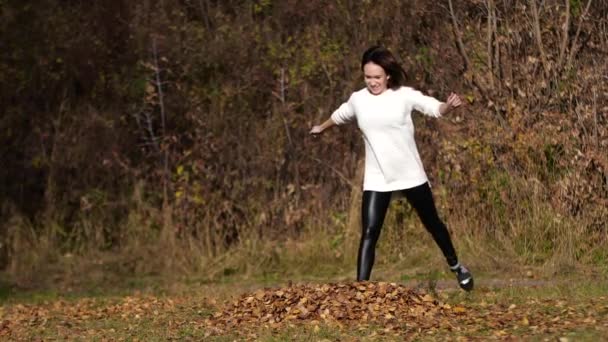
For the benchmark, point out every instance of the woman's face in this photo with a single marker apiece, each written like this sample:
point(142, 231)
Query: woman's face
point(376, 78)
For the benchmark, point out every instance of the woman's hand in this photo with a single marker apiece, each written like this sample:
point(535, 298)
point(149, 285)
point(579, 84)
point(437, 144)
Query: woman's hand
point(316, 130)
point(454, 100)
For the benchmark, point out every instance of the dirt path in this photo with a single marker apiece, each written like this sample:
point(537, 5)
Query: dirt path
point(493, 283)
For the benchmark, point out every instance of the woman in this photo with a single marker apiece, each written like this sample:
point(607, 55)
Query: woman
point(382, 111)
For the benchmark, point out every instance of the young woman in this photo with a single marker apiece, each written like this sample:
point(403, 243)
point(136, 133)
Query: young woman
point(382, 111)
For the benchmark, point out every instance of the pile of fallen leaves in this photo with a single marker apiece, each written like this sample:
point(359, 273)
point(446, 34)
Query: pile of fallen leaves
point(388, 304)
point(347, 311)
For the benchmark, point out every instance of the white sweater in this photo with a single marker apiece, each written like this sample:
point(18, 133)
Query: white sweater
point(392, 161)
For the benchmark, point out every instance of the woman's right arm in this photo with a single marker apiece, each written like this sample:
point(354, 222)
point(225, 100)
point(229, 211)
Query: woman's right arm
point(345, 113)
point(318, 129)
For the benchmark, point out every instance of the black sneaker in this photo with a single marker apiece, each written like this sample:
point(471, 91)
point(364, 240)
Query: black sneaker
point(464, 276)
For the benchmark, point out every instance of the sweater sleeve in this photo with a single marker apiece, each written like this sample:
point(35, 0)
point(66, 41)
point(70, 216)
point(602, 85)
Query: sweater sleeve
point(345, 113)
point(427, 105)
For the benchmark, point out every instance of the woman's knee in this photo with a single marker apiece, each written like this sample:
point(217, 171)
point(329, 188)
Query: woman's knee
point(370, 233)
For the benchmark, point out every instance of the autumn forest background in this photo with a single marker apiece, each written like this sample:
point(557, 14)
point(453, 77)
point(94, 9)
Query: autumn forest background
point(170, 138)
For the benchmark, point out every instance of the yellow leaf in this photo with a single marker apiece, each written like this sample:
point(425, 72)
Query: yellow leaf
point(149, 88)
point(197, 199)
point(459, 309)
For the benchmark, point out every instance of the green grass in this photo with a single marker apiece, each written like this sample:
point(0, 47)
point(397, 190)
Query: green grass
point(533, 290)
point(193, 303)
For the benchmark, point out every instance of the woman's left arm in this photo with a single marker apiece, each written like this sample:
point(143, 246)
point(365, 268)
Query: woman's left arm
point(431, 106)
point(452, 102)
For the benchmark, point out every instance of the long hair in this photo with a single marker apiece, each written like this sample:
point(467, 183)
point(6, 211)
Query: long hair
point(384, 58)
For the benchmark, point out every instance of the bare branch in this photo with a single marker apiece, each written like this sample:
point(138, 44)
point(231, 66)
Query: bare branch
point(327, 74)
point(150, 129)
point(458, 35)
point(497, 64)
point(463, 51)
point(205, 13)
point(574, 46)
point(338, 173)
point(564, 45)
point(159, 85)
point(597, 141)
point(283, 85)
point(474, 77)
point(490, 8)
point(539, 38)
point(162, 116)
point(284, 116)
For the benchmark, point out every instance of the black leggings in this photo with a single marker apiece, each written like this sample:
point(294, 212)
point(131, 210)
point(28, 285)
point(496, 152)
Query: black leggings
point(373, 211)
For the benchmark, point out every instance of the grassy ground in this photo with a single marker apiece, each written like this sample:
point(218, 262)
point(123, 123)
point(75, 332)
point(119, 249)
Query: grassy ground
point(568, 307)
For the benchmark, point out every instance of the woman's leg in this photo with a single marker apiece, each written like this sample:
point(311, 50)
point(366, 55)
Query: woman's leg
point(373, 211)
point(422, 201)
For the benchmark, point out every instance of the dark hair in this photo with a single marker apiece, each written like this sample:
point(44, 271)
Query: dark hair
point(384, 58)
